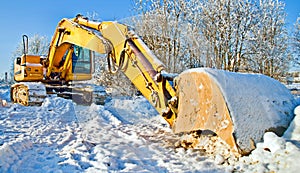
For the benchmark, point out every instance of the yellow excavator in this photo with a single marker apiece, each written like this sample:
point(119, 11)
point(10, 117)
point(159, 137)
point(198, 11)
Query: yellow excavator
point(233, 106)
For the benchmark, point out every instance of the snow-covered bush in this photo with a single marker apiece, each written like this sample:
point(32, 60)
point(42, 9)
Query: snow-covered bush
point(117, 84)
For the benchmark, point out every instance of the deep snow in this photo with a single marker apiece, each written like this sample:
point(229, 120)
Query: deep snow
point(125, 135)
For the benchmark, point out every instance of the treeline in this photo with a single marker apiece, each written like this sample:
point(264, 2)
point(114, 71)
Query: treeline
point(234, 35)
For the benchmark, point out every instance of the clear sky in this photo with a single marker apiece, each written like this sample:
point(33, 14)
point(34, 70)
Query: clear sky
point(31, 17)
point(41, 17)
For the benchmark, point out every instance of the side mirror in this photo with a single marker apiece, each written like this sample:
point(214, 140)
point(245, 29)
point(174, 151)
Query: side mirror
point(18, 61)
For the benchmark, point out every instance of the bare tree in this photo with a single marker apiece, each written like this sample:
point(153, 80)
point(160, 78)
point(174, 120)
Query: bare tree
point(269, 39)
point(245, 35)
point(225, 25)
point(296, 42)
point(234, 35)
point(169, 29)
point(37, 45)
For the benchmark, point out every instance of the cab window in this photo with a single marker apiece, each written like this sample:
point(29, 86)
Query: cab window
point(81, 60)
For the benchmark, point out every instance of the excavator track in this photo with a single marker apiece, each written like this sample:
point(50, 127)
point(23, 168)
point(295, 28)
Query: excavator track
point(83, 94)
point(80, 96)
point(28, 93)
point(33, 94)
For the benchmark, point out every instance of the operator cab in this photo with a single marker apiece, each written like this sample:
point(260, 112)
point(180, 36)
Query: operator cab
point(76, 64)
point(82, 60)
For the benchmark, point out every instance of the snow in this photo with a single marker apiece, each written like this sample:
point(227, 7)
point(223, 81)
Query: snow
point(275, 154)
point(33, 65)
point(294, 86)
point(293, 132)
point(4, 92)
point(124, 135)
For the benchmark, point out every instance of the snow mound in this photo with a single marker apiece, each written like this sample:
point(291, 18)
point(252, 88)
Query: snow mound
point(293, 132)
point(275, 154)
point(5, 92)
point(63, 106)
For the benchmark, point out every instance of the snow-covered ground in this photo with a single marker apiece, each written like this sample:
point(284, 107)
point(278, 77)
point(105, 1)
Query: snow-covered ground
point(124, 135)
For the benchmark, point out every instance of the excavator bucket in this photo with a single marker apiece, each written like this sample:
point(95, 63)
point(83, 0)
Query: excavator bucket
point(238, 107)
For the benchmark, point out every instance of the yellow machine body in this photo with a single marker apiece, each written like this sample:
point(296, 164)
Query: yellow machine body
point(28, 68)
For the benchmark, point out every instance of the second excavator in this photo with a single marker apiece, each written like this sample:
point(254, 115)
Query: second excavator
point(233, 106)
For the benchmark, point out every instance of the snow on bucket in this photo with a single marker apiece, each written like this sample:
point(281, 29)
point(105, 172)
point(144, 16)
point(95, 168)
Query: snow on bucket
point(238, 107)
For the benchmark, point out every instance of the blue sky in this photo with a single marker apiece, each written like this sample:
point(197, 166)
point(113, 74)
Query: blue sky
point(31, 17)
point(41, 17)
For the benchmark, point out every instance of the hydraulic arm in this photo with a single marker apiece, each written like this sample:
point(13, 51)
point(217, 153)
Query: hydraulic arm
point(129, 54)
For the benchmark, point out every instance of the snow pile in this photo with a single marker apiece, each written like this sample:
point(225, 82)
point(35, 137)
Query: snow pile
point(4, 92)
point(275, 154)
point(293, 132)
point(10, 152)
point(129, 136)
point(62, 106)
